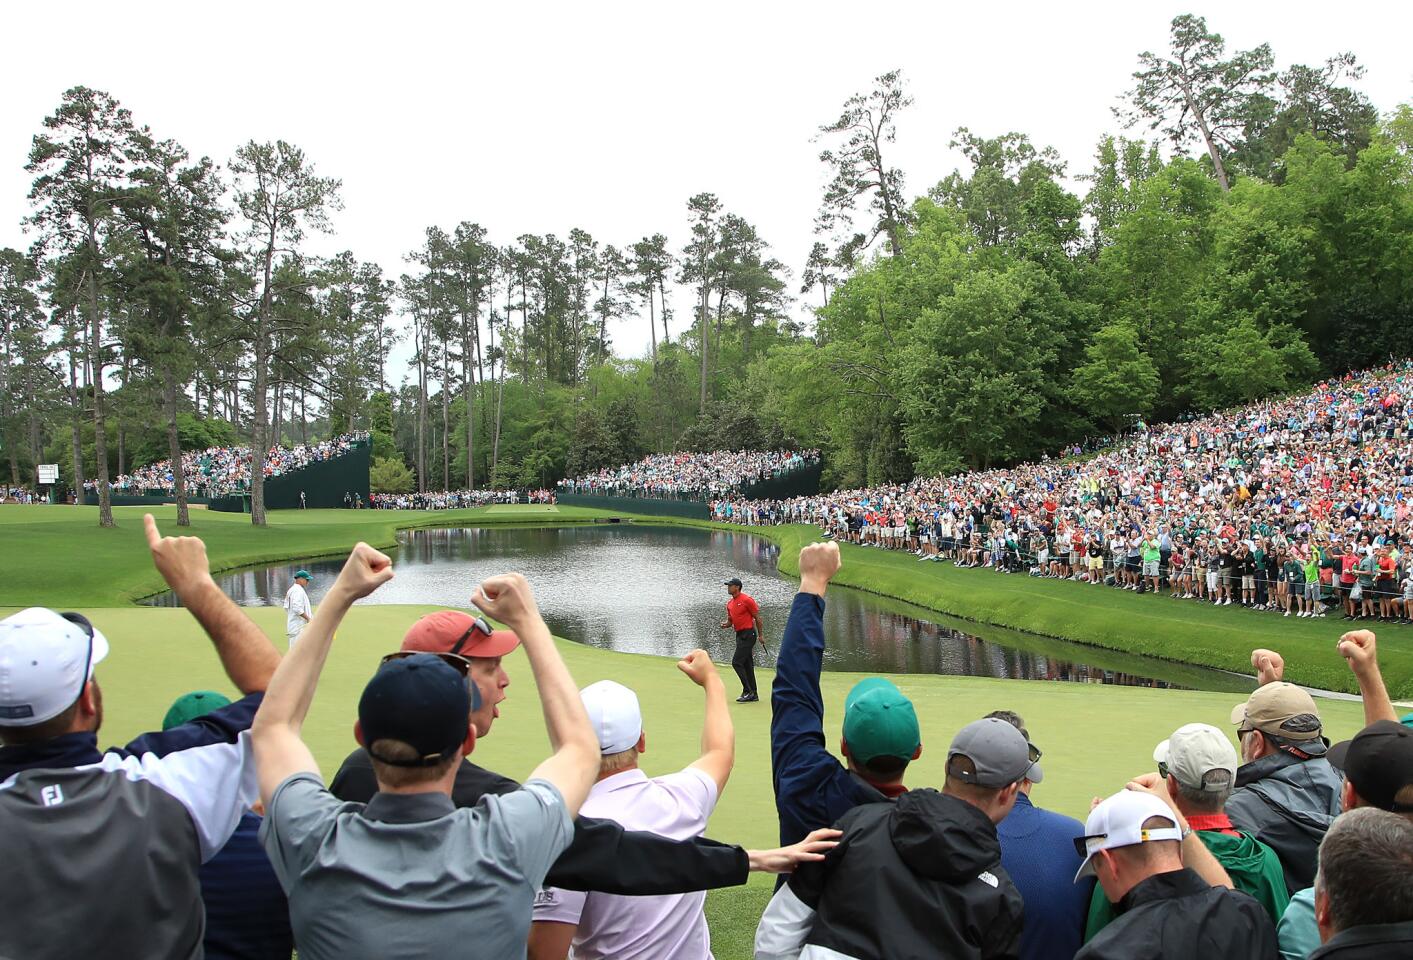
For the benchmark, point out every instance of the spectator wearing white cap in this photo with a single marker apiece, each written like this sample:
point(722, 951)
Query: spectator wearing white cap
point(1174, 899)
point(111, 843)
point(677, 806)
point(1198, 766)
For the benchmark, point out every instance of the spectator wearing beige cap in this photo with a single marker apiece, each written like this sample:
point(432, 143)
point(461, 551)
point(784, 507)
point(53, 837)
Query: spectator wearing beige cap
point(1286, 791)
point(676, 805)
point(1378, 771)
point(1198, 768)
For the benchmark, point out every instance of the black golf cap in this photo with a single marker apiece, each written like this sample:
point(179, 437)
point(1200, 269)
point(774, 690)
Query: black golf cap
point(733, 582)
point(1379, 762)
point(420, 701)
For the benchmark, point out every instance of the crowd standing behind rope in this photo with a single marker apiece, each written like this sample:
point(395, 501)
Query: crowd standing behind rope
point(1297, 506)
point(456, 499)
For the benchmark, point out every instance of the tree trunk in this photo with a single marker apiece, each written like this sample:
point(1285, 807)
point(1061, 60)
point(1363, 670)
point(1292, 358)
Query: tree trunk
point(100, 426)
point(446, 418)
point(76, 410)
point(174, 448)
point(662, 301)
point(652, 325)
point(468, 392)
point(259, 441)
point(1208, 139)
point(705, 316)
point(495, 444)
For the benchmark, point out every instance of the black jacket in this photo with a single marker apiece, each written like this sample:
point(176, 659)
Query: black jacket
point(1375, 942)
point(603, 857)
point(1178, 916)
point(919, 877)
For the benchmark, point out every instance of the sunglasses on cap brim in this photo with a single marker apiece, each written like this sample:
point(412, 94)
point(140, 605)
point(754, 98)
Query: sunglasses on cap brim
point(477, 623)
point(82, 622)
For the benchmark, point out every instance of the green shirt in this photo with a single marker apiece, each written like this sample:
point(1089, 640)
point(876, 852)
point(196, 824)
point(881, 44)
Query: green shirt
point(1367, 568)
point(1151, 553)
point(1253, 867)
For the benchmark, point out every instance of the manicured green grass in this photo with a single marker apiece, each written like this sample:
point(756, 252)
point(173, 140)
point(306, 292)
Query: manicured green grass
point(1094, 737)
point(59, 556)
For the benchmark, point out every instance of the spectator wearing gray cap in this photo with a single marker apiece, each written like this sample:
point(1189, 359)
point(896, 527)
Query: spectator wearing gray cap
point(1378, 771)
point(1198, 765)
point(1037, 850)
point(1363, 897)
point(918, 876)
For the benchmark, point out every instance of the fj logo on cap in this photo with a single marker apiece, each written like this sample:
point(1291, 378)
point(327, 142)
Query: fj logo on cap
point(52, 795)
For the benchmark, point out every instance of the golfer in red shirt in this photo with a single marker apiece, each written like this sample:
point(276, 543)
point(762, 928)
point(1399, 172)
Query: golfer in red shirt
point(743, 615)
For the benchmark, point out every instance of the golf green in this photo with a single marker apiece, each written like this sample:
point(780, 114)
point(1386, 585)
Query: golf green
point(1094, 737)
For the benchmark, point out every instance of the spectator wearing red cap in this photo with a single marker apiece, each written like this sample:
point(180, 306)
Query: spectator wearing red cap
point(356, 875)
point(604, 857)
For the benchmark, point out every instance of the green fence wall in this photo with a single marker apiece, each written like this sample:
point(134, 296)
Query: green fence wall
point(803, 482)
point(691, 509)
point(138, 500)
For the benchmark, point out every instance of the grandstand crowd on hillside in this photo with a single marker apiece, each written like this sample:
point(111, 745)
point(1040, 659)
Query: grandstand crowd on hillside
point(221, 470)
point(218, 836)
point(715, 474)
point(1295, 506)
point(456, 499)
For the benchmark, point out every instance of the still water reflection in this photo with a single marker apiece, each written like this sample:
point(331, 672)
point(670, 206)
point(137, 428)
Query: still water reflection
point(658, 590)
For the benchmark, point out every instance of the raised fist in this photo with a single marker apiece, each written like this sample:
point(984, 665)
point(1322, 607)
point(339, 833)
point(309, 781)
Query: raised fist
point(507, 598)
point(698, 666)
point(365, 571)
point(1357, 647)
point(1269, 666)
point(818, 563)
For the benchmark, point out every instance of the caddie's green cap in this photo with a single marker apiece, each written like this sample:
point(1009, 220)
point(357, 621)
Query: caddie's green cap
point(879, 721)
point(302, 574)
point(189, 706)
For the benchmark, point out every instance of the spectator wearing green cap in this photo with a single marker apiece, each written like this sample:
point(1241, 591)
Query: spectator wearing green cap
point(247, 915)
point(919, 877)
point(298, 610)
point(880, 730)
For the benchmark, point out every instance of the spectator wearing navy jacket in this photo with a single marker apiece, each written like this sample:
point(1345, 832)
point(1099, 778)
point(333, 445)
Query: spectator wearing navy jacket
point(1037, 850)
point(812, 788)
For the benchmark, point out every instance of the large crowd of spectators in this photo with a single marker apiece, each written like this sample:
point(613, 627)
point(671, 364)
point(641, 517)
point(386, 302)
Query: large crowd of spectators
point(690, 475)
point(9, 494)
point(219, 471)
point(218, 836)
point(1298, 506)
point(456, 499)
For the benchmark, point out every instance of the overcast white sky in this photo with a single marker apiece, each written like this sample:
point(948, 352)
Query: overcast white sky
point(539, 117)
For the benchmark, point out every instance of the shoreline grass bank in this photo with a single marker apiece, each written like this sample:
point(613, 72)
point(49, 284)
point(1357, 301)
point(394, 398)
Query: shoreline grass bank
point(58, 556)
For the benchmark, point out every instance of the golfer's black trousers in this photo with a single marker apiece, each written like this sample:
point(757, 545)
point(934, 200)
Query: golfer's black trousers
point(744, 660)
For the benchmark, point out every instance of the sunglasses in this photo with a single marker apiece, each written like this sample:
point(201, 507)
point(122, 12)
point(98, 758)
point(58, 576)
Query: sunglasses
point(1081, 844)
point(477, 623)
point(1034, 752)
point(80, 621)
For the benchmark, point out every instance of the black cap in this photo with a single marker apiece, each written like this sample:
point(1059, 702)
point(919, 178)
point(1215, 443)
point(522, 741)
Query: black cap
point(733, 582)
point(1379, 762)
point(420, 701)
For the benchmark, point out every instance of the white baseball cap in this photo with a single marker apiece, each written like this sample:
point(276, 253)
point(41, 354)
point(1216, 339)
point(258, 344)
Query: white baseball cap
point(614, 714)
point(1118, 822)
point(45, 660)
point(1195, 750)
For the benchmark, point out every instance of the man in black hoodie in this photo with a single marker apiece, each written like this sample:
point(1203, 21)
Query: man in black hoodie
point(917, 877)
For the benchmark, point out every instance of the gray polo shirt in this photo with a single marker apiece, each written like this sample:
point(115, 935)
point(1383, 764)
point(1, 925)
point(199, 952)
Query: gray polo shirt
point(411, 875)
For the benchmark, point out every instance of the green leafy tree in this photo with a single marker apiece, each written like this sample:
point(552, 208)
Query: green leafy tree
point(1117, 380)
point(80, 164)
point(390, 475)
point(859, 169)
point(279, 196)
point(1196, 93)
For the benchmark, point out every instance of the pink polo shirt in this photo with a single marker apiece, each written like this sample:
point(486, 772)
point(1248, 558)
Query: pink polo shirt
point(640, 928)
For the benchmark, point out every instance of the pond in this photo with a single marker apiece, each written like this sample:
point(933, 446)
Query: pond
point(657, 589)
